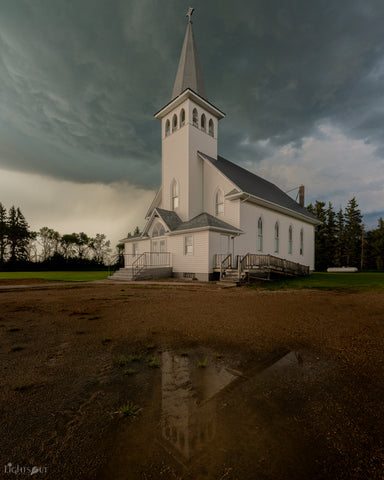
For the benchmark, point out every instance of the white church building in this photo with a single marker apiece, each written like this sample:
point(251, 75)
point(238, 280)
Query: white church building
point(210, 216)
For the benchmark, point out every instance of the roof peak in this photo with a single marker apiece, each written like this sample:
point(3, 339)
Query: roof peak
point(189, 74)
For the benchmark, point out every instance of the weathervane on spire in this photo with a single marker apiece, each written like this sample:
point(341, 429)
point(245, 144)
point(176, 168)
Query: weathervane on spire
point(189, 13)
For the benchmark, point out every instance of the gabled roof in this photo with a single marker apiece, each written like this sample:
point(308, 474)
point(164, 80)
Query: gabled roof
point(189, 73)
point(203, 220)
point(206, 220)
point(171, 219)
point(252, 184)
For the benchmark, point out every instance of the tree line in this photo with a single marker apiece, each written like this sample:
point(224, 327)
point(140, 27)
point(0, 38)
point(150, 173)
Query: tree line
point(341, 239)
point(48, 249)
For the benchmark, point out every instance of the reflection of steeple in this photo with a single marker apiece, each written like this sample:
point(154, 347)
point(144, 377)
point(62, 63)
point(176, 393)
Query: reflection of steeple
point(189, 402)
point(189, 73)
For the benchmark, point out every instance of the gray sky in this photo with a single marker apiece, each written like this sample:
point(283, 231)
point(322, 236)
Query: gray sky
point(302, 84)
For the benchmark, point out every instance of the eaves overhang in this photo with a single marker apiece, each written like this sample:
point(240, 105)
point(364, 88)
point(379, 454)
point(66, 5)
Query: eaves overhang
point(244, 196)
point(207, 227)
point(188, 93)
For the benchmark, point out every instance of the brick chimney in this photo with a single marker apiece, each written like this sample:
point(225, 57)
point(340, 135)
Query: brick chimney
point(301, 196)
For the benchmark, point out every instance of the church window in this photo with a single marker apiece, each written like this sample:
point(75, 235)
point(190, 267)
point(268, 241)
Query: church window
point(195, 118)
point(167, 128)
point(158, 230)
point(188, 245)
point(203, 122)
point(260, 235)
point(277, 237)
point(301, 242)
point(219, 202)
point(135, 249)
point(174, 195)
point(182, 117)
point(290, 239)
point(210, 128)
point(174, 123)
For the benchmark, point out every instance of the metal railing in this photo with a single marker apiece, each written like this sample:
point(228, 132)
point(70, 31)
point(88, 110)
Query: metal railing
point(149, 260)
point(225, 263)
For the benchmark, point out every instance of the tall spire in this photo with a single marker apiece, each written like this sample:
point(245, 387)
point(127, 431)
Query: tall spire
point(189, 71)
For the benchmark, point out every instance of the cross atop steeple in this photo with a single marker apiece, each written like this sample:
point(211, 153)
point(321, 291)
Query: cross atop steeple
point(189, 71)
point(189, 13)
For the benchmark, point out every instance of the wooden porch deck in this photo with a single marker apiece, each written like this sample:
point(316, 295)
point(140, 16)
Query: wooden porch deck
point(254, 265)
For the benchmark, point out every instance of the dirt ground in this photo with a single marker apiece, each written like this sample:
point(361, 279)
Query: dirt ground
point(62, 387)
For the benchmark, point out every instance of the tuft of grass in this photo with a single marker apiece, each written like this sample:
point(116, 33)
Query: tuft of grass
point(129, 410)
point(184, 353)
point(218, 355)
point(106, 340)
point(94, 318)
point(150, 346)
point(134, 358)
point(202, 363)
point(153, 363)
point(13, 329)
point(129, 371)
point(16, 348)
point(121, 360)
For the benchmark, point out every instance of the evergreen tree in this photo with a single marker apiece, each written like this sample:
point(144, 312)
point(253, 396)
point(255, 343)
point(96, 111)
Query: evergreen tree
point(3, 233)
point(18, 235)
point(321, 256)
point(338, 251)
point(353, 234)
point(330, 233)
point(375, 242)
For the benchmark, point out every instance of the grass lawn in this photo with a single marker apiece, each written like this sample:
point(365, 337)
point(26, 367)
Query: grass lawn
point(332, 281)
point(56, 276)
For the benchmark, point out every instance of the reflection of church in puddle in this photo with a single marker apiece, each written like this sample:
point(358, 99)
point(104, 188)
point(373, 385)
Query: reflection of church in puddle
point(190, 395)
point(189, 403)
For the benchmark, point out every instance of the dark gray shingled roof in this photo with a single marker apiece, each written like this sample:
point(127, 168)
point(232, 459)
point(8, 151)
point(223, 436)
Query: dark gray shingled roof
point(205, 220)
point(254, 185)
point(171, 218)
point(189, 73)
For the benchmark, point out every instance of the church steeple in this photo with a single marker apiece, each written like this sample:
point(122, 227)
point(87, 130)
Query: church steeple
point(189, 73)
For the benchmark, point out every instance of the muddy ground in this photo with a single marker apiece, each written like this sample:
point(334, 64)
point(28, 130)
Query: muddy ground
point(232, 383)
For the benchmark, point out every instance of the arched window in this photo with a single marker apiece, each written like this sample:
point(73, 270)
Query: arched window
point(174, 123)
point(174, 195)
point(260, 235)
point(158, 230)
point(167, 128)
point(277, 237)
point(182, 117)
point(202, 121)
point(219, 202)
point(210, 128)
point(290, 239)
point(301, 242)
point(195, 118)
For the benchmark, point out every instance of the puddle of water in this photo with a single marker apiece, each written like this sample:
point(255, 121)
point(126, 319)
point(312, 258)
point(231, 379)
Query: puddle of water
point(211, 419)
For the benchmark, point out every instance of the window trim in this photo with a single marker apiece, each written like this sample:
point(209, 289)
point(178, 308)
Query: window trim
point(186, 245)
point(175, 195)
point(290, 240)
point(302, 241)
point(219, 211)
point(260, 234)
point(277, 237)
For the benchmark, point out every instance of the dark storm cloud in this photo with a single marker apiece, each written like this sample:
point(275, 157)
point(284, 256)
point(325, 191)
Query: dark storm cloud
point(80, 81)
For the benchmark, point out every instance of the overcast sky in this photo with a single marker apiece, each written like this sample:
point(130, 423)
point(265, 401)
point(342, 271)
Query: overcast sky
point(301, 82)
